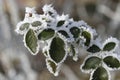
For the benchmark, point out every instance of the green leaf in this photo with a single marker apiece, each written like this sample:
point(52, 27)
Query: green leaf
point(64, 33)
point(93, 49)
point(57, 51)
point(36, 24)
point(100, 74)
point(112, 62)
point(91, 63)
point(75, 32)
point(24, 26)
point(31, 41)
point(60, 23)
point(109, 46)
point(46, 34)
point(87, 36)
point(52, 65)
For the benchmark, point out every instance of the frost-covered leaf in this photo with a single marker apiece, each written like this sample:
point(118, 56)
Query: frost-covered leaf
point(93, 49)
point(36, 23)
point(60, 23)
point(31, 41)
point(112, 62)
point(24, 26)
point(109, 46)
point(91, 63)
point(75, 32)
point(87, 36)
point(100, 74)
point(57, 51)
point(46, 34)
point(64, 33)
point(52, 65)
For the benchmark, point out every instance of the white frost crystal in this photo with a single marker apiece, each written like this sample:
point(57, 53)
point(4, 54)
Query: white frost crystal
point(49, 26)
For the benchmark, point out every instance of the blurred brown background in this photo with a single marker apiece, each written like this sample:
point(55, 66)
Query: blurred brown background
point(16, 63)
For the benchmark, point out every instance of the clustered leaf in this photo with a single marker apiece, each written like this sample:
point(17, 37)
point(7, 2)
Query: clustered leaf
point(62, 36)
point(99, 72)
point(107, 46)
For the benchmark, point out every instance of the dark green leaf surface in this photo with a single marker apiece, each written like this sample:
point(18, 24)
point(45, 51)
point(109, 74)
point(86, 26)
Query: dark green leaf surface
point(87, 36)
point(93, 49)
point(52, 65)
point(100, 74)
point(91, 63)
point(46, 34)
point(60, 23)
point(64, 33)
point(24, 26)
point(36, 24)
point(57, 51)
point(31, 41)
point(109, 46)
point(111, 62)
point(75, 32)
